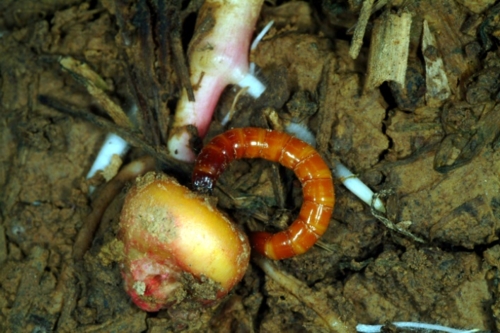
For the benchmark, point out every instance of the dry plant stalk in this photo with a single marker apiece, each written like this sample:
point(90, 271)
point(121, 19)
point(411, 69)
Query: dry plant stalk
point(359, 31)
point(388, 58)
point(300, 290)
point(96, 86)
point(438, 89)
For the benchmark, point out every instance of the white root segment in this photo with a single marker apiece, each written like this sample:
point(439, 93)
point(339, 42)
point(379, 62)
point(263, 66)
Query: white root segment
point(302, 132)
point(110, 156)
point(362, 328)
point(261, 35)
point(218, 56)
point(256, 42)
point(254, 87)
point(305, 295)
point(357, 187)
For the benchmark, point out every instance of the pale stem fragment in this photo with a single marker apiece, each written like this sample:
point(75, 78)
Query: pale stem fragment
point(388, 57)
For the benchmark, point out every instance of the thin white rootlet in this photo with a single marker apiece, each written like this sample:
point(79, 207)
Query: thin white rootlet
point(356, 186)
point(362, 328)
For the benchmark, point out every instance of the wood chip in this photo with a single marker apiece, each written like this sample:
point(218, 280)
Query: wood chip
point(388, 58)
point(438, 90)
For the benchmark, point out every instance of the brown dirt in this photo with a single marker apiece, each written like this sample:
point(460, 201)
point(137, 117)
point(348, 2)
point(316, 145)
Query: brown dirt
point(442, 164)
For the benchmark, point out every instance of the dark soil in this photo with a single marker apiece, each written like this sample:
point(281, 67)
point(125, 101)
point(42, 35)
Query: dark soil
point(440, 163)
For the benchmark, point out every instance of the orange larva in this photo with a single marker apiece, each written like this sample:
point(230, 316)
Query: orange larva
point(304, 160)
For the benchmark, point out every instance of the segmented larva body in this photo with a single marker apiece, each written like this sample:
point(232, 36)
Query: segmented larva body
point(304, 160)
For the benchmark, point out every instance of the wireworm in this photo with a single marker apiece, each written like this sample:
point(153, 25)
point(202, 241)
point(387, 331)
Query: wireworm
point(303, 159)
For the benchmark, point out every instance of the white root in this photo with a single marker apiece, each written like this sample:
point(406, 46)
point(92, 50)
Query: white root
point(357, 187)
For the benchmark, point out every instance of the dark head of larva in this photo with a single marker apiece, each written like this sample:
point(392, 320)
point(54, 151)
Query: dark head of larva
point(203, 183)
point(292, 153)
point(209, 165)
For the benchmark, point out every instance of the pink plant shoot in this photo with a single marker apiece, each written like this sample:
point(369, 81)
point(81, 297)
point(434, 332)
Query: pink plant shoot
point(218, 56)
